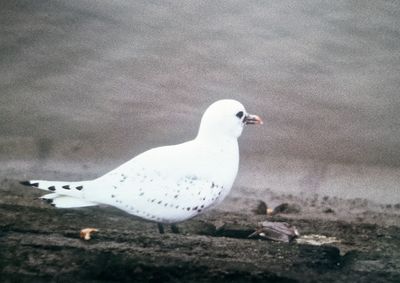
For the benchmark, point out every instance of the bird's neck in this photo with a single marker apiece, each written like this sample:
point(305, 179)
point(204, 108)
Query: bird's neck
point(217, 144)
point(215, 138)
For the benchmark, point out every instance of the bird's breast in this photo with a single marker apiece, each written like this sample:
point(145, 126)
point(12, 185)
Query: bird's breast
point(221, 164)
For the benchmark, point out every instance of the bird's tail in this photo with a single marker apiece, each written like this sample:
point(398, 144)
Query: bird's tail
point(63, 194)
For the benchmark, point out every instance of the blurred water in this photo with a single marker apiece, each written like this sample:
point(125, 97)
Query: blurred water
point(97, 82)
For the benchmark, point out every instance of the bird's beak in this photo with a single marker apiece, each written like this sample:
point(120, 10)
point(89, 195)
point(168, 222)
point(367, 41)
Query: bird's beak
point(252, 120)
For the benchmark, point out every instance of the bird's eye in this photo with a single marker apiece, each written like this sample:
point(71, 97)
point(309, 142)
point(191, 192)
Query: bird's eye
point(239, 114)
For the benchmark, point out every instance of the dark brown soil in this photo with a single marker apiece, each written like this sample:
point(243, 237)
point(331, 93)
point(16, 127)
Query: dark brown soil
point(41, 244)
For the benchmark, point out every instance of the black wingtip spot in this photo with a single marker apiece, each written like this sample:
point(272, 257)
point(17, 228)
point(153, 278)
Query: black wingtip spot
point(29, 184)
point(66, 187)
point(52, 188)
point(79, 188)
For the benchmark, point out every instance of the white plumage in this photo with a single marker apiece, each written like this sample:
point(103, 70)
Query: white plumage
point(167, 184)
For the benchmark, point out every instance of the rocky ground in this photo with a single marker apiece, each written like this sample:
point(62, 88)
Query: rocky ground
point(39, 243)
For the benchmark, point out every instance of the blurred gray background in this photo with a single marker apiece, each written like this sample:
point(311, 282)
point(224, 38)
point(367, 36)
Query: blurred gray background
point(86, 85)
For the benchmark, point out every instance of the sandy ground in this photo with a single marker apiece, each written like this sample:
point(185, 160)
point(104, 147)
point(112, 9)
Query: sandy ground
point(39, 243)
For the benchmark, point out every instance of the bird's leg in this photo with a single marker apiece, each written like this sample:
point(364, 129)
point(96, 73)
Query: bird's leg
point(174, 229)
point(160, 228)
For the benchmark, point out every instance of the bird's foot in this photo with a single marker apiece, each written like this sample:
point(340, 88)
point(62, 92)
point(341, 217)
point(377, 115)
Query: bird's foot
point(174, 229)
point(160, 228)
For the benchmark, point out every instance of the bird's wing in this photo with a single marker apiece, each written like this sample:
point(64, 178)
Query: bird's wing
point(147, 171)
point(162, 180)
point(157, 197)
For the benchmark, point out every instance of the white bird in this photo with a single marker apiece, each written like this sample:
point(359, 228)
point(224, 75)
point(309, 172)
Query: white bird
point(167, 184)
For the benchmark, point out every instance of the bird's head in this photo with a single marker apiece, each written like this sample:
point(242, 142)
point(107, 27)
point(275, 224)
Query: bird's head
point(227, 118)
